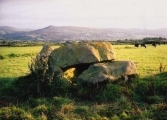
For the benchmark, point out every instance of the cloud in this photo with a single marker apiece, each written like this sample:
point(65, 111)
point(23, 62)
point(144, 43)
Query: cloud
point(89, 13)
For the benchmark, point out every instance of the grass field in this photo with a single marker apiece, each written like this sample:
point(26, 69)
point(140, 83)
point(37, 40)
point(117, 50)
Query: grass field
point(147, 60)
point(144, 99)
point(14, 60)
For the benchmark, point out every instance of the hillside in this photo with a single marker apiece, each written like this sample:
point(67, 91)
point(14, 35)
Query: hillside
point(57, 33)
point(8, 30)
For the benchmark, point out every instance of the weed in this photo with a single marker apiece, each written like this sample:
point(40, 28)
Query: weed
point(162, 67)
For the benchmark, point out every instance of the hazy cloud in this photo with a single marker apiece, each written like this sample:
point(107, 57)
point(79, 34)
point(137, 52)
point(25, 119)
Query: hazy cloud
point(88, 13)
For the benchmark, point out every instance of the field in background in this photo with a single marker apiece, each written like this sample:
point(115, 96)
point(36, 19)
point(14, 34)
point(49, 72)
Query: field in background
point(14, 60)
point(147, 59)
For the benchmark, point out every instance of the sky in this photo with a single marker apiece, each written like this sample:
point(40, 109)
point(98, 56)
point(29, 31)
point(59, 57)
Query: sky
point(36, 14)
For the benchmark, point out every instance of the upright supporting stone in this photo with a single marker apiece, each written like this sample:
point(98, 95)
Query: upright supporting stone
point(41, 61)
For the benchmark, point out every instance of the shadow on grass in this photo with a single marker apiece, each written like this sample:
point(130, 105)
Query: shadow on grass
point(142, 99)
point(6, 81)
point(151, 89)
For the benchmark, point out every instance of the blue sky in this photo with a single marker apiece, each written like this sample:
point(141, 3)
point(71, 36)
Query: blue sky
point(35, 14)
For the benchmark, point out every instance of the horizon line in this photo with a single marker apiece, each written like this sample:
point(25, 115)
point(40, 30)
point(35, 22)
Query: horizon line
point(82, 27)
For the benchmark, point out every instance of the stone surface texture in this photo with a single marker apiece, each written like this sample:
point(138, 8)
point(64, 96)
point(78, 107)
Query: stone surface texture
point(80, 53)
point(109, 71)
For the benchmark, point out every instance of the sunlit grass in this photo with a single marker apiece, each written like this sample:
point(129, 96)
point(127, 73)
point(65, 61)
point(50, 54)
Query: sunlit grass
point(19, 50)
point(147, 60)
point(16, 59)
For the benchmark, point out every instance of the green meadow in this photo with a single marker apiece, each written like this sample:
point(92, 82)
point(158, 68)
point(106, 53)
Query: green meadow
point(147, 59)
point(143, 99)
point(14, 60)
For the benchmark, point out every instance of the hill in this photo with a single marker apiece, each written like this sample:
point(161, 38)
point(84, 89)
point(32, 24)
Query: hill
point(59, 33)
point(8, 30)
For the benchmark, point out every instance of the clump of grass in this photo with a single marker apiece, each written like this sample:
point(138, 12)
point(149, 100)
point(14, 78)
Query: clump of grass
point(82, 110)
point(152, 89)
point(111, 93)
point(27, 54)
point(2, 57)
point(14, 113)
point(40, 110)
point(88, 91)
point(61, 100)
point(159, 111)
point(12, 55)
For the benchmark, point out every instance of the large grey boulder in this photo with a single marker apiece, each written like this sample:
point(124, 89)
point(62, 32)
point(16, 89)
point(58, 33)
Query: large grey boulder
point(109, 71)
point(80, 53)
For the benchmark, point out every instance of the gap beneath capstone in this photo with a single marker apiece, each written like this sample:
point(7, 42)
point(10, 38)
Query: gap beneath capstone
point(73, 71)
point(79, 68)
